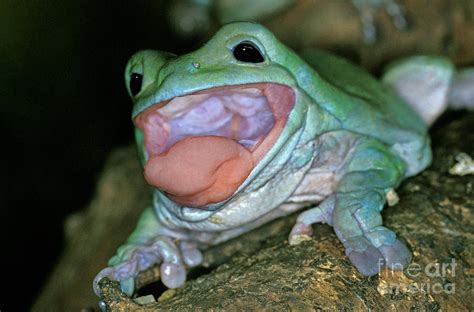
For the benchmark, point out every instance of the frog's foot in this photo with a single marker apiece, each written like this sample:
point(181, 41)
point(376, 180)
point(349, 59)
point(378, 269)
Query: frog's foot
point(302, 230)
point(369, 256)
point(367, 11)
point(131, 259)
point(358, 224)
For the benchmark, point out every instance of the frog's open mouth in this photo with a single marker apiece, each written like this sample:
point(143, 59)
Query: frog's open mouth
point(202, 146)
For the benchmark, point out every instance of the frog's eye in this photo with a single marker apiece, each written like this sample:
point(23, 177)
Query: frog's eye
point(247, 52)
point(135, 83)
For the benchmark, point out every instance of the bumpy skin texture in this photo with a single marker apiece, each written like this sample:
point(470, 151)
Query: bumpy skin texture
point(348, 141)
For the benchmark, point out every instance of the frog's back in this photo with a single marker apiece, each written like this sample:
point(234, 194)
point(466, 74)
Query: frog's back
point(365, 105)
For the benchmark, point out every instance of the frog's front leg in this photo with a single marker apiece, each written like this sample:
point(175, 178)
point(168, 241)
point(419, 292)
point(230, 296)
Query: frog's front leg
point(354, 210)
point(151, 243)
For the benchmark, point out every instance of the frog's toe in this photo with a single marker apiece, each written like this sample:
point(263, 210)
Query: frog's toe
point(173, 275)
point(299, 233)
point(192, 256)
point(124, 272)
point(368, 262)
point(128, 286)
point(107, 272)
point(397, 255)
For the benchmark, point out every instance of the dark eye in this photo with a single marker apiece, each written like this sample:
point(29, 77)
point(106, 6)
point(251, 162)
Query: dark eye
point(247, 52)
point(135, 83)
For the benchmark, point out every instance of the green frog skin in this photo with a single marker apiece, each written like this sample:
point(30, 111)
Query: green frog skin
point(243, 131)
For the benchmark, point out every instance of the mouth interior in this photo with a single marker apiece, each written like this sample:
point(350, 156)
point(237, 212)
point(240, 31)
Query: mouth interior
point(226, 128)
point(242, 114)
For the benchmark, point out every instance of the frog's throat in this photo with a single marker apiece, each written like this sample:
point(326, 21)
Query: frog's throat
point(201, 147)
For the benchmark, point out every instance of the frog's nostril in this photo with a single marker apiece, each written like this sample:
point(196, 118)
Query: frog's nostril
point(196, 65)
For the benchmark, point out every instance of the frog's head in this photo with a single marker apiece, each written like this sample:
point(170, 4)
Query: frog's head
point(212, 119)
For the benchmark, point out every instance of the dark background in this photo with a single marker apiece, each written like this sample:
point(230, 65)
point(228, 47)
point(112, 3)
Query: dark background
point(64, 107)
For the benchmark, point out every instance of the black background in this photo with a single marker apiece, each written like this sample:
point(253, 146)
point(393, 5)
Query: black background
point(64, 107)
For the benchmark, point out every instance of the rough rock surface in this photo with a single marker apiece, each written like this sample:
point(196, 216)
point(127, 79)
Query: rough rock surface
point(261, 271)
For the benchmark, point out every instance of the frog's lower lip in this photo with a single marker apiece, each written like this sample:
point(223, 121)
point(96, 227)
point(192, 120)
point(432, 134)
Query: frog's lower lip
point(203, 145)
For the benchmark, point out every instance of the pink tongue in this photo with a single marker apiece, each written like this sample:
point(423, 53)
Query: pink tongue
point(197, 171)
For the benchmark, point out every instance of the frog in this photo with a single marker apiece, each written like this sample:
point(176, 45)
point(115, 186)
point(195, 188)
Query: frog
point(244, 130)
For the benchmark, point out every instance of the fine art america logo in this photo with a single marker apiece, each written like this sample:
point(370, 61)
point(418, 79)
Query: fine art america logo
point(439, 281)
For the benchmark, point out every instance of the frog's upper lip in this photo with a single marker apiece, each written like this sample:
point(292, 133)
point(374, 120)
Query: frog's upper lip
point(252, 115)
